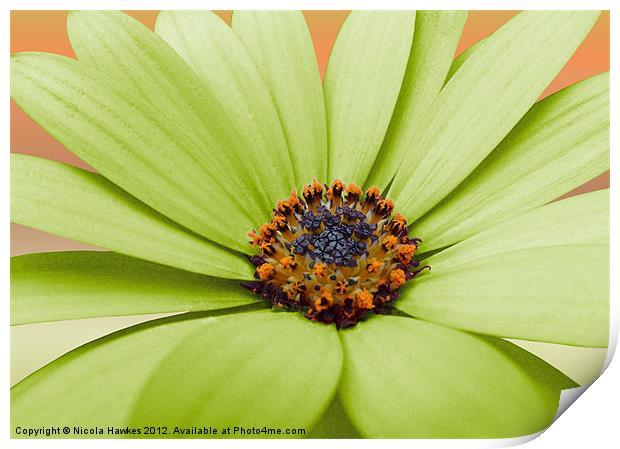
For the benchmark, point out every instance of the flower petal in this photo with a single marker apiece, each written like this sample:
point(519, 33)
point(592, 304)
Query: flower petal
point(248, 369)
point(334, 423)
point(460, 59)
point(99, 383)
point(541, 276)
point(83, 206)
point(252, 369)
point(442, 383)
point(437, 34)
point(362, 82)
point(129, 142)
point(84, 284)
point(482, 102)
point(578, 220)
point(562, 142)
point(232, 122)
point(281, 46)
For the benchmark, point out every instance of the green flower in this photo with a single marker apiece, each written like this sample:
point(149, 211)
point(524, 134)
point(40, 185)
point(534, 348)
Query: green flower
point(198, 129)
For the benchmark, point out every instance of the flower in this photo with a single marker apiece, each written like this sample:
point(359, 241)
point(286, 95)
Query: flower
point(197, 130)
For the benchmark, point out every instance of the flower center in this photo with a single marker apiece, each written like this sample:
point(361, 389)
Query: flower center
point(335, 256)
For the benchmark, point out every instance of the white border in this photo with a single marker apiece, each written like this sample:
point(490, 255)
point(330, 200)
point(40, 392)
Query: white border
point(590, 421)
point(314, 4)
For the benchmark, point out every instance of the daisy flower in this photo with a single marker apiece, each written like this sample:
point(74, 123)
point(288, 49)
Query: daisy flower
point(345, 258)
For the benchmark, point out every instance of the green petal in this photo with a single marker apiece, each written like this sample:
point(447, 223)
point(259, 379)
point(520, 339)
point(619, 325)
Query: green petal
point(281, 46)
point(541, 276)
point(227, 113)
point(85, 284)
point(83, 206)
point(132, 144)
point(361, 85)
point(460, 59)
point(214, 52)
point(247, 369)
point(261, 369)
point(483, 101)
point(442, 383)
point(437, 33)
point(334, 423)
point(578, 220)
point(99, 383)
point(562, 142)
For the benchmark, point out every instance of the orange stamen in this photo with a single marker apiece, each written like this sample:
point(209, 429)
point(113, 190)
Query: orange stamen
point(397, 224)
point(364, 299)
point(266, 271)
point(255, 237)
point(267, 248)
point(374, 265)
point(373, 193)
point(353, 191)
point(405, 253)
point(279, 221)
point(320, 270)
point(336, 190)
point(324, 301)
point(397, 278)
point(288, 263)
point(389, 242)
point(385, 207)
point(267, 231)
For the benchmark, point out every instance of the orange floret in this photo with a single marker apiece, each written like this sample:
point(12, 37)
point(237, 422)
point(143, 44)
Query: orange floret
point(288, 263)
point(374, 265)
point(335, 190)
point(284, 207)
point(294, 200)
point(397, 278)
point(353, 191)
point(397, 224)
point(405, 253)
point(255, 238)
point(267, 231)
point(364, 299)
point(320, 270)
point(372, 193)
point(389, 242)
point(324, 301)
point(266, 271)
point(279, 221)
point(267, 248)
point(385, 207)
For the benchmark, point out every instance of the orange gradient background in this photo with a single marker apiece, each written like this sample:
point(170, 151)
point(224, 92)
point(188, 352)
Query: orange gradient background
point(34, 345)
point(46, 31)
